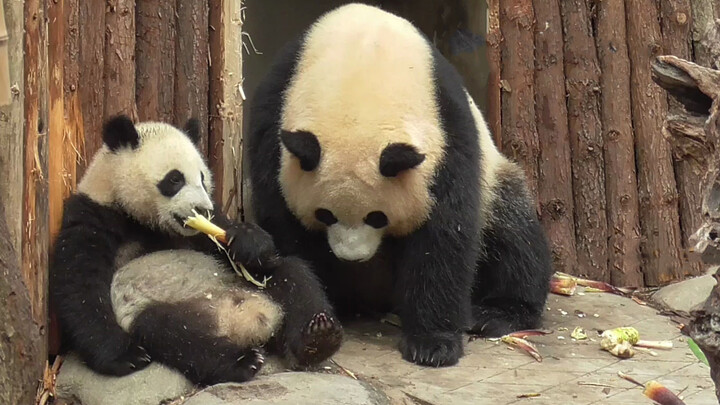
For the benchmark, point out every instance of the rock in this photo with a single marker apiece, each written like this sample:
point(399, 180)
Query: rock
point(292, 388)
point(686, 295)
point(148, 386)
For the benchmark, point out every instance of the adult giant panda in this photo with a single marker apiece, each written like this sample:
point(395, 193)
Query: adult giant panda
point(369, 159)
point(131, 283)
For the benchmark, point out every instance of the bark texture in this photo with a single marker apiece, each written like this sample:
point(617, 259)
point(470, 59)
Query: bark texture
point(554, 169)
point(155, 54)
point(676, 25)
point(494, 39)
point(21, 350)
point(120, 58)
point(583, 87)
point(619, 149)
point(657, 187)
point(519, 132)
point(192, 65)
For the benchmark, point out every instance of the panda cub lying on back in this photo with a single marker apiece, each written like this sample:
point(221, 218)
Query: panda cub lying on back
point(131, 283)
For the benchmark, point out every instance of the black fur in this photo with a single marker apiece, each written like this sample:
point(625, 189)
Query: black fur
point(304, 146)
point(192, 130)
point(119, 131)
point(432, 272)
point(172, 183)
point(398, 157)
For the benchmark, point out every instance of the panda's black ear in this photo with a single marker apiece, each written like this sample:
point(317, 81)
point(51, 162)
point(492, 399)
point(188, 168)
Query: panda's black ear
point(192, 129)
point(119, 131)
point(305, 146)
point(398, 157)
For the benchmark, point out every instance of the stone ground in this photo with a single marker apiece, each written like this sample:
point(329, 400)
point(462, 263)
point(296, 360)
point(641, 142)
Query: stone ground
point(571, 372)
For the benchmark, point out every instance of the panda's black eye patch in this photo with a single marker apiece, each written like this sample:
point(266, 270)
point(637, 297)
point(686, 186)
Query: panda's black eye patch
point(376, 219)
point(325, 216)
point(173, 182)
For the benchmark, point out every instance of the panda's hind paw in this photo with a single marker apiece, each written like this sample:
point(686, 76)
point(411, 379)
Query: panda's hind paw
point(436, 349)
point(247, 366)
point(320, 339)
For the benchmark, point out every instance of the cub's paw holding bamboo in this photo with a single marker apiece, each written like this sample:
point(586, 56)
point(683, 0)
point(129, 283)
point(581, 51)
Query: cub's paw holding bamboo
point(130, 265)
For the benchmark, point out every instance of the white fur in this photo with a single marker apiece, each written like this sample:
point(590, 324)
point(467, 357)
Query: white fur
point(357, 243)
point(173, 276)
point(129, 177)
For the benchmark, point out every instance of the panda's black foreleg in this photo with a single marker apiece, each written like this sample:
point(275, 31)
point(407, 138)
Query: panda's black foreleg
point(182, 336)
point(311, 331)
point(514, 272)
point(435, 271)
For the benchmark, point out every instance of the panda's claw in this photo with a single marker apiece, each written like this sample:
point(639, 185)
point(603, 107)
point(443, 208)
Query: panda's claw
point(321, 337)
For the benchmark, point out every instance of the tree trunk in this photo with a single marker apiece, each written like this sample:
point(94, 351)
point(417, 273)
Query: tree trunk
point(519, 133)
point(192, 66)
point(91, 62)
point(494, 39)
point(704, 13)
point(120, 58)
point(554, 171)
point(21, 350)
point(11, 128)
point(657, 189)
point(583, 87)
point(155, 53)
point(698, 86)
point(620, 173)
point(676, 23)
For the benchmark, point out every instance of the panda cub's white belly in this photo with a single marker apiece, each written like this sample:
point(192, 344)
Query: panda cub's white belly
point(179, 276)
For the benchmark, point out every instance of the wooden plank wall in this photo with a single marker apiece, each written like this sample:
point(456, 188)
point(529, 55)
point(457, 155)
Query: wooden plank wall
point(588, 103)
point(140, 64)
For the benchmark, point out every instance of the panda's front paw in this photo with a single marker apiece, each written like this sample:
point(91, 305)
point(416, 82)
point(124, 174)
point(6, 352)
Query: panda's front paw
point(252, 246)
point(134, 358)
point(436, 349)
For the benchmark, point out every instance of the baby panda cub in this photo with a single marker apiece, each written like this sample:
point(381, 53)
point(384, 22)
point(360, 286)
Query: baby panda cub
point(131, 283)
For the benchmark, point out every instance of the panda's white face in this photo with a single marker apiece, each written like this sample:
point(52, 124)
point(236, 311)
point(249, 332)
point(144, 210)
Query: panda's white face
point(360, 130)
point(158, 179)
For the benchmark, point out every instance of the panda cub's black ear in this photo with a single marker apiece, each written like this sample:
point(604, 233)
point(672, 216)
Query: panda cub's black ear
point(192, 130)
point(398, 157)
point(119, 131)
point(305, 146)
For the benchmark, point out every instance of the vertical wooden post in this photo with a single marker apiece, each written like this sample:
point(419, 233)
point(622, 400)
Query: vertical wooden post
point(226, 102)
point(120, 58)
point(494, 40)
point(620, 173)
point(35, 197)
point(155, 50)
point(582, 76)
point(56, 58)
point(676, 23)
point(192, 65)
point(91, 66)
point(519, 134)
point(656, 180)
point(704, 13)
point(11, 127)
point(555, 173)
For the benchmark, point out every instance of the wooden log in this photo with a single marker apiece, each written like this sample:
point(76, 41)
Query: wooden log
point(676, 23)
point(11, 128)
point(226, 102)
point(494, 39)
point(658, 197)
point(56, 135)
point(619, 151)
point(120, 58)
point(91, 66)
point(582, 78)
point(35, 196)
point(192, 65)
point(155, 53)
point(704, 13)
point(555, 192)
point(519, 132)
point(21, 350)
